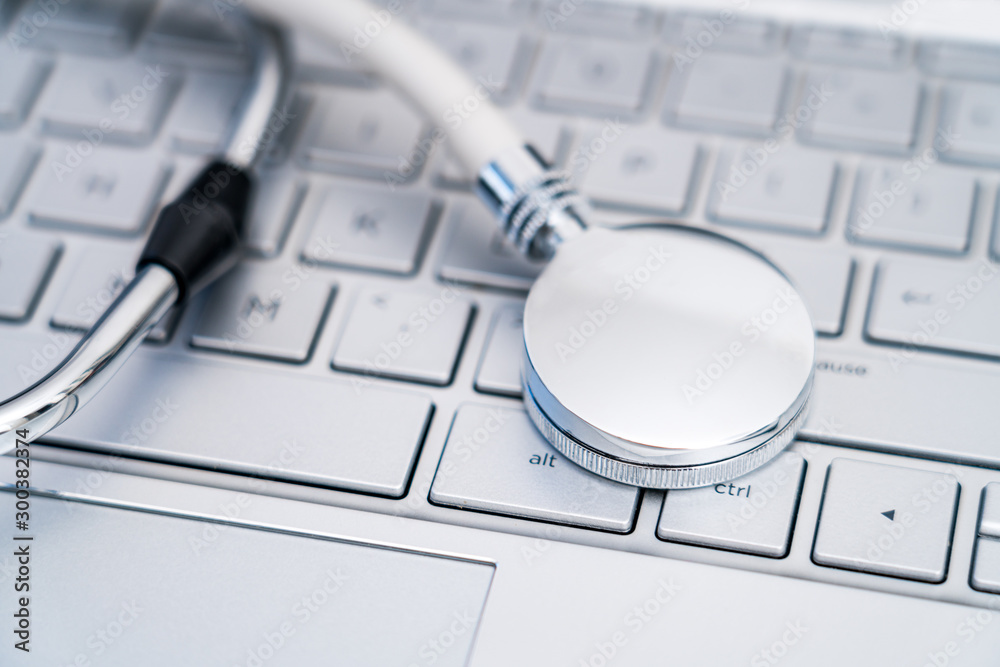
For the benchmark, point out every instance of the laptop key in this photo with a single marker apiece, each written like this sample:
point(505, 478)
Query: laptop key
point(500, 366)
point(729, 92)
point(477, 252)
point(597, 18)
point(648, 169)
point(969, 130)
point(493, 55)
point(264, 423)
point(112, 190)
point(98, 278)
point(323, 62)
point(989, 521)
point(787, 190)
point(25, 265)
point(190, 32)
point(496, 461)
point(595, 76)
point(204, 110)
point(821, 275)
point(275, 206)
point(901, 206)
point(986, 566)
point(739, 34)
point(862, 108)
point(414, 336)
point(113, 101)
point(752, 514)
point(961, 60)
point(367, 133)
point(370, 229)
point(268, 312)
point(21, 78)
point(937, 305)
point(848, 46)
point(886, 520)
point(92, 26)
point(19, 160)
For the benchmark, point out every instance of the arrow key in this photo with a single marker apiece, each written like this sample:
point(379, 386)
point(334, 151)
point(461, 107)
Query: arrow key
point(911, 540)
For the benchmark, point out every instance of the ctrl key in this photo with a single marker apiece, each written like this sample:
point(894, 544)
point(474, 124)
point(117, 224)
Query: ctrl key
point(753, 514)
point(495, 461)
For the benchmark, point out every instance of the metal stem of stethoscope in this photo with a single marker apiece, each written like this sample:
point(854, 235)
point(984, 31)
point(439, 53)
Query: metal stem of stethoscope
point(195, 239)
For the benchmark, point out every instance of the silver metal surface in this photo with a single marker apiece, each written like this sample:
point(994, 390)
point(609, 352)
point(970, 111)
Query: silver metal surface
point(499, 369)
point(790, 192)
point(114, 191)
point(25, 264)
point(937, 305)
point(111, 341)
point(365, 229)
point(900, 204)
point(496, 461)
point(649, 362)
point(260, 117)
point(887, 520)
point(408, 335)
point(263, 312)
point(751, 514)
point(862, 108)
point(98, 278)
point(536, 207)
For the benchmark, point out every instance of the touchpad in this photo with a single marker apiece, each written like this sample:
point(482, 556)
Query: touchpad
point(112, 586)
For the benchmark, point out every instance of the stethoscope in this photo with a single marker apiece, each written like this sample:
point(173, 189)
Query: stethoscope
point(656, 355)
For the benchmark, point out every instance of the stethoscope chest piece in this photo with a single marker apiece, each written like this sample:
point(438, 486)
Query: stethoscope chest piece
point(665, 357)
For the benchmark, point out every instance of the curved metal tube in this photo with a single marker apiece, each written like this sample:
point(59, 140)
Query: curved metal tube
point(96, 358)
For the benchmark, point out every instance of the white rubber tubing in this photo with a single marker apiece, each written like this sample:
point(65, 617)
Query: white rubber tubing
point(477, 131)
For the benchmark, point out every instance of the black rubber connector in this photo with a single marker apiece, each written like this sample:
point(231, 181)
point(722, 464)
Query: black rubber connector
point(197, 237)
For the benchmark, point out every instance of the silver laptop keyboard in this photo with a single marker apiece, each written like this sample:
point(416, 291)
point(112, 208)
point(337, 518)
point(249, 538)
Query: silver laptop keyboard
point(366, 352)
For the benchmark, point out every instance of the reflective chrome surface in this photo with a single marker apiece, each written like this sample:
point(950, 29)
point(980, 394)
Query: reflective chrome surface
point(96, 358)
point(537, 208)
point(666, 356)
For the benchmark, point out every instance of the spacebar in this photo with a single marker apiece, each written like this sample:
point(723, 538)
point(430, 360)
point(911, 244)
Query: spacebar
point(270, 424)
point(926, 405)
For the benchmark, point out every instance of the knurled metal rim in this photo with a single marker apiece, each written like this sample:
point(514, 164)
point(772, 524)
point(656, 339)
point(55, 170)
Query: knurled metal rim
point(661, 477)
